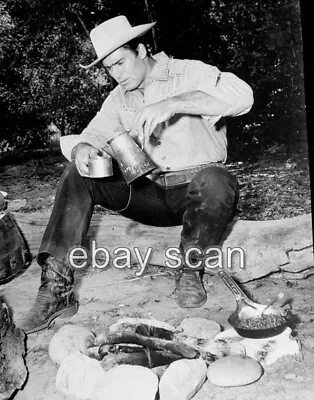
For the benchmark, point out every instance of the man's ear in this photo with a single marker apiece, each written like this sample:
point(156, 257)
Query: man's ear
point(142, 52)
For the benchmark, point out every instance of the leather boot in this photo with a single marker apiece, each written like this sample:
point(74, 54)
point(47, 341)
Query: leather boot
point(190, 292)
point(55, 297)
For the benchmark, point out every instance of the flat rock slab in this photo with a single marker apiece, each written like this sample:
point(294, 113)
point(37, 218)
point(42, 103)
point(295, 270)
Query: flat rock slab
point(200, 328)
point(182, 379)
point(234, 371)
point(70, 339)
point(132, 382)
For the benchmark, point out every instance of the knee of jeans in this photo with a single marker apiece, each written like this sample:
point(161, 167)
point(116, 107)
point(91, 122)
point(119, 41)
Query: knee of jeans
point(215, 180)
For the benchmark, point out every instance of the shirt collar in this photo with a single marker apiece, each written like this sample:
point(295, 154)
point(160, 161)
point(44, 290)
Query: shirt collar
point(160, 71)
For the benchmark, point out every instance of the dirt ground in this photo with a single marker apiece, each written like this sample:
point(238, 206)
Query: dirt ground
point(106, 296)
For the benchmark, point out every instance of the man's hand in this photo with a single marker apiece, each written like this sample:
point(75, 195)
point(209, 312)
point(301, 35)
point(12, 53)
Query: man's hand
point(150, 116)
point(81, 155)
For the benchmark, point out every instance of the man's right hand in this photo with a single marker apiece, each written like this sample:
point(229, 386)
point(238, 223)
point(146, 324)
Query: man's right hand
point(81, 155)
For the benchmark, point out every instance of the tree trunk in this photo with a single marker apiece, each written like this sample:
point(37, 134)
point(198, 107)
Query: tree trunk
point(272, 246)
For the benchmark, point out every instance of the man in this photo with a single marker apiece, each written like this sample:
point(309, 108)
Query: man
point(172, 108)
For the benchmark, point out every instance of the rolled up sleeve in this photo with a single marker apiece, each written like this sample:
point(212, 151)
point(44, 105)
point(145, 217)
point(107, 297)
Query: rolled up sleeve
point(225, 86)
point(235, 92)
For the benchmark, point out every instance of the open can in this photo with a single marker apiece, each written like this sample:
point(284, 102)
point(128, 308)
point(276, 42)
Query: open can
point(100, 166)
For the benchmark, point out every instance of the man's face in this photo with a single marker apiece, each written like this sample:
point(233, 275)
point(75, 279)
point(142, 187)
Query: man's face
point(126, 67)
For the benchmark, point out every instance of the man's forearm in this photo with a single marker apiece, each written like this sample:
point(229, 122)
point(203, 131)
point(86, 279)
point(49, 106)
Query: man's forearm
point(191, 103)
point(198, 103)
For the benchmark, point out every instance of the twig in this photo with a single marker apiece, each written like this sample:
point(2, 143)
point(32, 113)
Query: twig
point(132, 279)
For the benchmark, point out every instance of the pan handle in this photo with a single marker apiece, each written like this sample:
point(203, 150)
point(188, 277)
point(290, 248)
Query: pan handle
point(232, 285)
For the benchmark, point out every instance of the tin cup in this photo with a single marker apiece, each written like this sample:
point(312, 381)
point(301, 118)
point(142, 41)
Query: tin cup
point(132, 160)
point(100, 166)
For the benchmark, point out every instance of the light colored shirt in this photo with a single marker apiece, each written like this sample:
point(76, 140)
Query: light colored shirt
point(184, 141)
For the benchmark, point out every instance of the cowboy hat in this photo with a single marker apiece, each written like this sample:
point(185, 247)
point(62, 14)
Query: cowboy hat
point(112, 34)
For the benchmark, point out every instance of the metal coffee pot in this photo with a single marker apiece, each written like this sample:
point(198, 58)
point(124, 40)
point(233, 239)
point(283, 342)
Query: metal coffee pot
point(133, 162)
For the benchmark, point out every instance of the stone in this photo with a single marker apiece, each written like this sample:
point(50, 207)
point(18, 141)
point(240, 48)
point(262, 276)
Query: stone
point(70, 339)
point(290, 376)
point(182, 379)
point(13, 371)
point(16, 205)
point(228, 342)
point(234, 370)
point(267, 351)
point(200, 328)
point(283, 346)
point(78, 376)
point(131, 382)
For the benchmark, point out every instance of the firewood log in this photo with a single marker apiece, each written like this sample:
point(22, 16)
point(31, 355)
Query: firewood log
point(146, 358)
point(150, 342)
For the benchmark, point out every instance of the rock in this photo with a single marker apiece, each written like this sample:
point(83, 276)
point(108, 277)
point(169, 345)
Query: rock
point(290, 376)
point(234, 370)
point(78, 375)
point(131, 382)
point(266, 351)
point(279, 347)
point(16, 205)
point(200, 333)
point(229, 342)
point(13, 371)
point(182, 379)
point(68, 340)
point(199, 328)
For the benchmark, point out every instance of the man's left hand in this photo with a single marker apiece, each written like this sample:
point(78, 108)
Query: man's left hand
point(150, 116)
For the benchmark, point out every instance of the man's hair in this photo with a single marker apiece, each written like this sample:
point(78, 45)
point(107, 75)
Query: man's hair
point(133, 45)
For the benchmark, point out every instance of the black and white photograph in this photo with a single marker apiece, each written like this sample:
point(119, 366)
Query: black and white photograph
point(156, 232)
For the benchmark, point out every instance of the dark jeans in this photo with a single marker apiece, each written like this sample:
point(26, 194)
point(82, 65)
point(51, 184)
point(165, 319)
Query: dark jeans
point(204, 207)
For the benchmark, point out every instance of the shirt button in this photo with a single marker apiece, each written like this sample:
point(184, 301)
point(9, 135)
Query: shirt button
point(159, 142)
point(164, 157)
point(167, 168)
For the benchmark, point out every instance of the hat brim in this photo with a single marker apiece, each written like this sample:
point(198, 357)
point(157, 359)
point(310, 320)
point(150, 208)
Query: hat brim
point(131, 34)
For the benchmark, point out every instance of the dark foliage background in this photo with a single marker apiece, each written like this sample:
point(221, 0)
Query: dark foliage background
point(43, 41)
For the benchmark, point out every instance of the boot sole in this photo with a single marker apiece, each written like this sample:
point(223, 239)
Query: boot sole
point(191, 305)
point(68, 312)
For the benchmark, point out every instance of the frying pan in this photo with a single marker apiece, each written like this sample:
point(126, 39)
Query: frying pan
point(250, 319)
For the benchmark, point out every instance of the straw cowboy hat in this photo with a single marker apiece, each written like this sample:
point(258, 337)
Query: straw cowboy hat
point(112, 34)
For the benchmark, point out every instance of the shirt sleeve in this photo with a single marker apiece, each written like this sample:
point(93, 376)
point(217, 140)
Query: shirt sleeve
point(105, 125)
point(224, 86)
point(235, 92)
